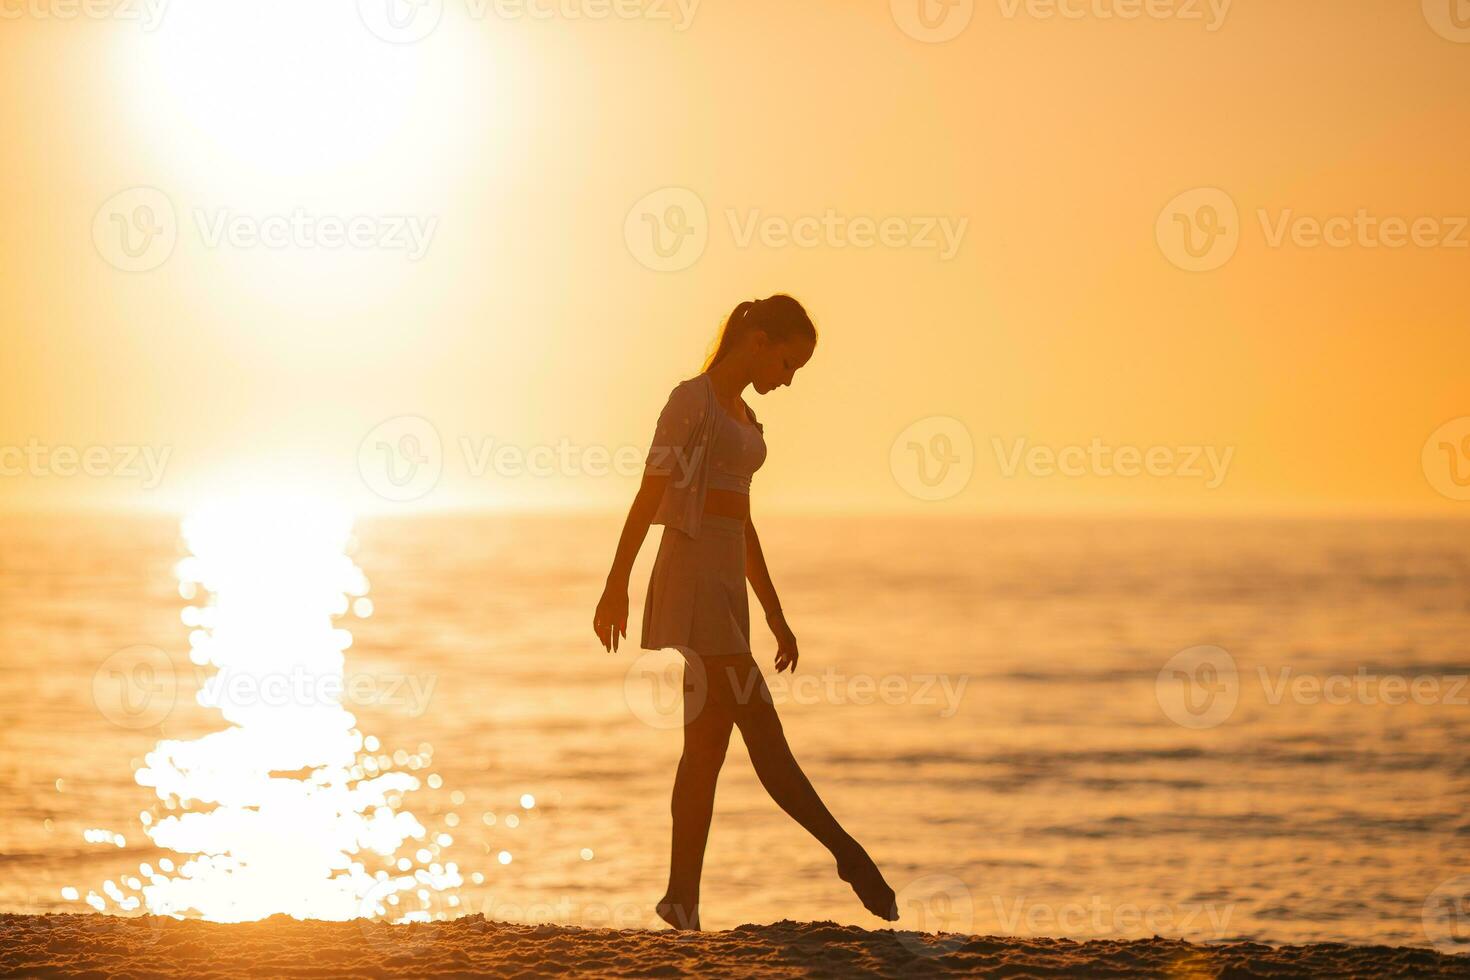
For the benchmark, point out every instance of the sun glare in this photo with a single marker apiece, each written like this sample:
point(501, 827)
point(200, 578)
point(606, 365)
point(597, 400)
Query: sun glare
point(287, 87)
point(289, 809)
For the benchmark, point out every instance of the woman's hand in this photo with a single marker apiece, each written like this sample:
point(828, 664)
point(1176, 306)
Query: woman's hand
point(786, 652)
point(611, 618)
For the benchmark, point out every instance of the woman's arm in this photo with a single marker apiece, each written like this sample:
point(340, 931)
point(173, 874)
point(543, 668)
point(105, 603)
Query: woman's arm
point(765, 591)
point(611, 618)
point(677, 422)
point(756, 571)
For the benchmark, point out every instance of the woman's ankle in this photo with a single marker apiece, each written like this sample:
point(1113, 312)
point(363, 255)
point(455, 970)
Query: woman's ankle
point(681, 914)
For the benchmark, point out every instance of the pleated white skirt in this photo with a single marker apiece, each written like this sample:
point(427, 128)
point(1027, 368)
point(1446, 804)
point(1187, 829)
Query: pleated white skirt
point(697, 602)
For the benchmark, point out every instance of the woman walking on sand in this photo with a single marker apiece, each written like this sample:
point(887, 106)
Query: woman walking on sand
point(696, 483)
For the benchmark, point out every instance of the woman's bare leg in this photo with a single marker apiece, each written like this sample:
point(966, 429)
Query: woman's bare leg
point(706, 736)
point(741, 690)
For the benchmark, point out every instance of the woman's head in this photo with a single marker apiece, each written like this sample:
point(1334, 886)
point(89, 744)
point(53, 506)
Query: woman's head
point(772, 337)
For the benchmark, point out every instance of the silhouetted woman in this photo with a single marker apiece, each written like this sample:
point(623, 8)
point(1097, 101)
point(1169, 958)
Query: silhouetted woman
point(696, 482)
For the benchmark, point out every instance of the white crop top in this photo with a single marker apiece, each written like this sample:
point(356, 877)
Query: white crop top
point(701, 446)
point(738, 451)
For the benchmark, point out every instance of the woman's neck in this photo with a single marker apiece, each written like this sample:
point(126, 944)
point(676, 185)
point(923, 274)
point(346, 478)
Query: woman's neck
point(729, 380)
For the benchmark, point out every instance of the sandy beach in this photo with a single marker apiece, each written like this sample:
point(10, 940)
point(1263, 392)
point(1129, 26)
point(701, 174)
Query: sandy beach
point(97, 945)
point(919, 488)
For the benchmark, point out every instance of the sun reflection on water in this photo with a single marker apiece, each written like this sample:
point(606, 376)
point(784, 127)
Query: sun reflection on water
point(290, 808)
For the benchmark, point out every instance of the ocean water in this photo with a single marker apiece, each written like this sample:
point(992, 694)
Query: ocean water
point(1206, 729)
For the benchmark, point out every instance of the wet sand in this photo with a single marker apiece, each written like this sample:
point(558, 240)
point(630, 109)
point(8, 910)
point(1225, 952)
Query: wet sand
point(97, 945)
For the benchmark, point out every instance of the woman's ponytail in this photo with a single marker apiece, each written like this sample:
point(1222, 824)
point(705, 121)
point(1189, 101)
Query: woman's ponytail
point(734, 325)
point(780, 316)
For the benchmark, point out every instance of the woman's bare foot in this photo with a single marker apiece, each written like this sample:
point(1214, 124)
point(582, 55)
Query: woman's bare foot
point(680, 915)
point(859, 871)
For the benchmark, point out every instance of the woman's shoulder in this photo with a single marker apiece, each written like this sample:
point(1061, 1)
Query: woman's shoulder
point(687, 403)
point(690, 391)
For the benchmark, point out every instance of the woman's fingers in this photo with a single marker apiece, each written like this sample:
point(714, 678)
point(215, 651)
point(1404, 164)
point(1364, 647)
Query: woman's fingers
point(608, 634)
point(610, 627)
point(786, 659)
point(610, 621)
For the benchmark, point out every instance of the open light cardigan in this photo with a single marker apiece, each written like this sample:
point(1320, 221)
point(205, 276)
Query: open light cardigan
point(680, 449)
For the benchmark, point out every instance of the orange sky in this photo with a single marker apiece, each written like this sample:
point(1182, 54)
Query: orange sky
point(526, 312)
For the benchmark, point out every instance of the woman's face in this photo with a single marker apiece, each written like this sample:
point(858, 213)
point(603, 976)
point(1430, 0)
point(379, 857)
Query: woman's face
point(775, 362)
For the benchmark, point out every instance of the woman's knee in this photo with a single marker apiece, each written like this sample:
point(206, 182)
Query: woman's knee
point(705, 742)
point(760, 727)
point(704, 758)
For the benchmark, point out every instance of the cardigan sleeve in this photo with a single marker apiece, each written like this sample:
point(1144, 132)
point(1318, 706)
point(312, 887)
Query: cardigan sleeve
point(675, 430)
